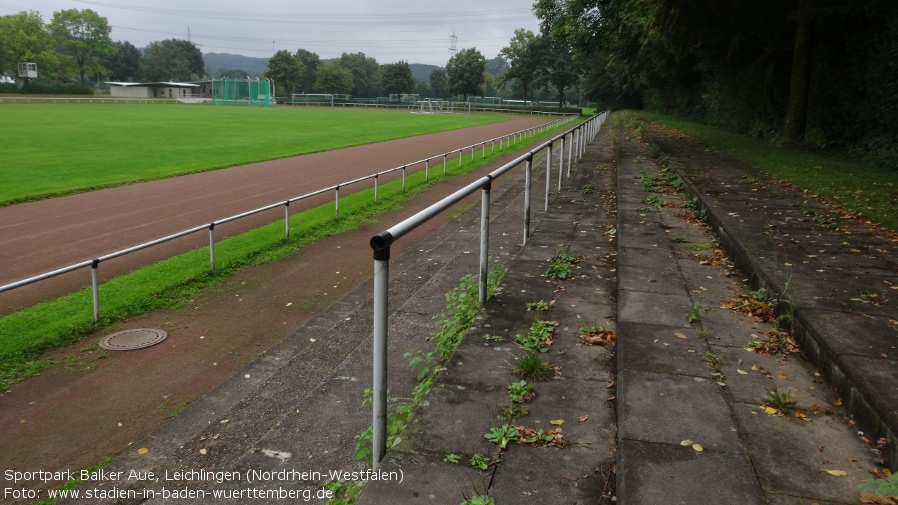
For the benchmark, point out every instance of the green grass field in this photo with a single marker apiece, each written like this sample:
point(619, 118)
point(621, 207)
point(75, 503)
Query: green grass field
point(51, 150)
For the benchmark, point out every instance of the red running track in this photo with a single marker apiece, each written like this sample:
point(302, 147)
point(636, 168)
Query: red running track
point(46, 235)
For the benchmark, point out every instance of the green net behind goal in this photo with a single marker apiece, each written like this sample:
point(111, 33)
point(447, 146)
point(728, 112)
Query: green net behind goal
point(252, 92)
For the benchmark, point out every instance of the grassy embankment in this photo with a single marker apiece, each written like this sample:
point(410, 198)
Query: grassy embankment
point(861, 188)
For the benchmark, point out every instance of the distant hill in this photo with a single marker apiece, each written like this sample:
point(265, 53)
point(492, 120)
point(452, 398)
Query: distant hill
point(217, 63)
point(421, 71)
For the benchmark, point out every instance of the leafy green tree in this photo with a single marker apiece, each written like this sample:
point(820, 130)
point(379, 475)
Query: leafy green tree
point(24, 37)
point(496, 66)
point(438, 82)
point(523, 55)
point(310, 62)
point(465, 72)
point(422, 88)
point(83, 36)
point(365, 75)
point(172, 59)
point(333, 79)
point(560, 70)
point(396, 78)
point(489, 85)
point(124, 64)
point(286, 70)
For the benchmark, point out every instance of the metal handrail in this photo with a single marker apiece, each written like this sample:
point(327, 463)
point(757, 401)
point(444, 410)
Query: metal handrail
point(382, 242)
point(95, 263)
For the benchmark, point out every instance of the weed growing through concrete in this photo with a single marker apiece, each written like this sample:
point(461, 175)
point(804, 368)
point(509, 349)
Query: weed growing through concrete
point(478, 499)
point(540, 305)
point(716, 364)
point(531, 366)
point(519, 392)
point(345, 492)
point(886, 486)
point(779, 400)
point(452, 458)
point(502, 435)
point(482, 461)
point(562, 266)
point(538, 338)
point(694, 313)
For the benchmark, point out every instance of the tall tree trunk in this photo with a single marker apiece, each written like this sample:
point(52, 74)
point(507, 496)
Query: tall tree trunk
point(797, 114)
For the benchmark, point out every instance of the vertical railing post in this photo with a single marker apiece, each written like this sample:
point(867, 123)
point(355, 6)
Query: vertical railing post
point(337, 202)
point(426, 170)
point(527, 183)
point(484, 239)
point(493, 142)
point(95, 285)
point(548, 174)
point(584, 141)
point(403, 178)
point(560, 162)
point(379, 360)
point(483, 150)
point(375, 187)
point(570, 150)
point(212, 246)
point(444, 164)
point(459, 157)
point(287, 220)
point(472, 153)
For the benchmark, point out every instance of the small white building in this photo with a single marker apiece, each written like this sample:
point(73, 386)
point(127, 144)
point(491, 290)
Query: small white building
point(172, 90)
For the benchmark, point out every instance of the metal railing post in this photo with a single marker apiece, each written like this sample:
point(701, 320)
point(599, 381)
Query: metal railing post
point(379, 396)
point(548, 174)
point(426, 170)
point(403, 178)
point(560, 162)
point(444, 164)
point(459, 158)
point(527, 182)
point(583, 142)
point(287, 220)
point(337, 201)
point(95, 285)
point(484, 239)
point(212, 246)
point(570, 150)
point(472, 153)
point(375, 187)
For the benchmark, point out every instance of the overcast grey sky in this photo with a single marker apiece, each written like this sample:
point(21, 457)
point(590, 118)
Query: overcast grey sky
point(417, 31)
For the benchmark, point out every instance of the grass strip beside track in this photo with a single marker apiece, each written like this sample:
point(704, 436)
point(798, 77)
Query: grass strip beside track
point(52, 150)
point(27, 334)
point(862, 188)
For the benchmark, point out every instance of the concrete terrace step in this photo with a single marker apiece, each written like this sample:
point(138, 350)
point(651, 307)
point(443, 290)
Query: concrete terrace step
point(686, 372)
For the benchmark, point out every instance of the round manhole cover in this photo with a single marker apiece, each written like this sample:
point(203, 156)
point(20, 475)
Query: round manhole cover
point(132, 339)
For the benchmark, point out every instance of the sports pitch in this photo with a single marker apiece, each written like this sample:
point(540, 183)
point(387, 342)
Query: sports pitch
point(51, 150)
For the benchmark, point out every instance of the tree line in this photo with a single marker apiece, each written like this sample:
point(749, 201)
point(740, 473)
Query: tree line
point(75, 46)
point(819, 73)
